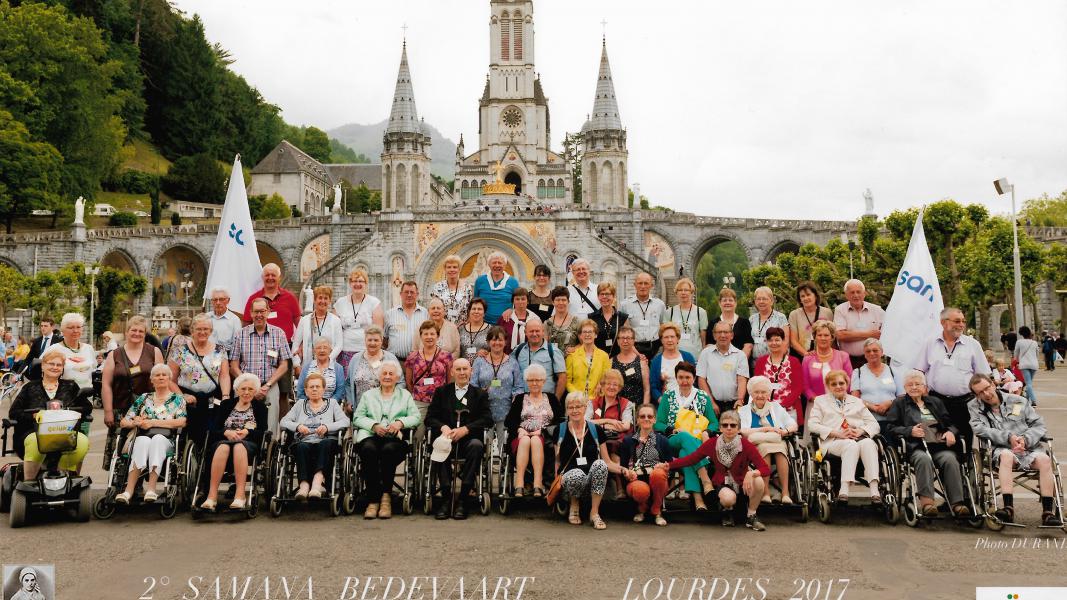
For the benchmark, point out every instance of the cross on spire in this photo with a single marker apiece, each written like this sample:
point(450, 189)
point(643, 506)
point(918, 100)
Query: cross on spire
point(405, 28)
point(604, 28)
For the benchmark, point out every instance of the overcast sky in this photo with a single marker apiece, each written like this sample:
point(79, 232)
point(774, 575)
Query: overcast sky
point(771, 108)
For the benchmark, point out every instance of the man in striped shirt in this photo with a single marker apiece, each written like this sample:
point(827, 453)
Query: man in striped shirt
point(402, 322)
point(261, 349)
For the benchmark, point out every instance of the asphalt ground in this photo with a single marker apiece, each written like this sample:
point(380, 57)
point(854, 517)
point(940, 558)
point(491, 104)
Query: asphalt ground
point(534, 554)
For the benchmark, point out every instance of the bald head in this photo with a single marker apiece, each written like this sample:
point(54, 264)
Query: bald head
point(461, 372)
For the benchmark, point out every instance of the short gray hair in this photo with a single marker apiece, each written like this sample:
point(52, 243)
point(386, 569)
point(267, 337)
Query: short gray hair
point(72, 318)
point(915, 374)
point(759, 381)
point(872, 342)
point(322, 338)
point(948, 310)
point(534, 369)
point(580, 261)
point(497, 254)
point(272, 267)
point(854, 282)
point(160, 367)
point(218, 289)
point(202, 318)
point(244, 377)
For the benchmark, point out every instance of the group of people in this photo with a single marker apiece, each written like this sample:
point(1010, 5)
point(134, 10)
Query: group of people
point(580, 388)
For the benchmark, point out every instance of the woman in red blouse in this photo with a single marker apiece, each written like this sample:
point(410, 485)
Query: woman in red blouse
point(784, 372)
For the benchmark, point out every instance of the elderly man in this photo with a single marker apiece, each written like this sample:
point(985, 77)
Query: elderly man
point(535, 350)
point(459, 412)
point(1015, 430)
point(949, 360)
point(857, 320)
point(261, 349)
point(224, 324)
point(402, 322)
point(645, 315)
point(582, 291)
point(48, 337)
point(495, 287)
point(283, 305)
point(722, 370)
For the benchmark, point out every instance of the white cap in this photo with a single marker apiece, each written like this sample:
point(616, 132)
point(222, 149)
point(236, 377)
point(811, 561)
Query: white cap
point(442, 447)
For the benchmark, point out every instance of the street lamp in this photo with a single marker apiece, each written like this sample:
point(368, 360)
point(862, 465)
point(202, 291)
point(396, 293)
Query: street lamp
point(187, 287)
point(92, 272)
point(1003, 187)
point(848, 241)
point(729, 281)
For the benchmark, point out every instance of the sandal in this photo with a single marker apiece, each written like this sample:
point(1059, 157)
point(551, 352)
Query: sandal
point(539, 492)
point(209, 504)
point(237, 504)
point(575, 517)
point(661, 521)
point(519, 491)
point(1005, 514)
point(929, 510)
point(597, 522)
point(961, 510)
point(639, 518)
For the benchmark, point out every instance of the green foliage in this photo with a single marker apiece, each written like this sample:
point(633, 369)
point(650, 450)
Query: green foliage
point(136, 182)
point(157, 208)
point(316, 144)
point(199, 178)
point(272, 208)
point(296, 212)
point(723, 259)
point(1046, 211)
point(987, 270)
point(175, 218)
point(30, 171)
point(255, 205)
point(67, 290)
point(868, 230)
point(122, 219)
point(340, 153)
point(11, 289)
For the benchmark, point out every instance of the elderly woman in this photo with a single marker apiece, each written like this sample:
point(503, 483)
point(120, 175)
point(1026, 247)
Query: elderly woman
point(875, 382)
point(155, 417)
point(765, 318)
point(609, 320)
point(561, 328)
point(698, 405)
point(766, 424)
point(633, 366)
point(472, 334)
point(315, 420)
point(495, 287)
point(824, 359)
point(357, 311)
point(514, 320)
point(322, 363)
point(529, 415)
point(741, 327)
point(234, 438)
point(739, 470)
point(539, 297)
point(615, 414)
point(319, 323)
point(587, 363)
point(914, 417)
point(1003, 376)
point(582, 458)
point(126, 370)
point(809, 311)
point(448, 339)
point(661, 369)
point(80, 357)
point(638, 455)
point(455, 295)
point(846, 428)
point(690, 318)
point(380, 419)
point(29, 588)
point(200, 369)
point(364, 370)
point(427, 368)
point(50, 392)
point(783, 371)
point(496, 373)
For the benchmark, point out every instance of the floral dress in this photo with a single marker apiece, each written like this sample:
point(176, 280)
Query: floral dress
point(498, 380)
point(145, 406)
point(197, 376)
point(428, 375)
point(456, 303)
point(759, 331)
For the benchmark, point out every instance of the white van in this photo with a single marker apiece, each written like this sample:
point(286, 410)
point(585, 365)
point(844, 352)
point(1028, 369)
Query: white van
point(103, 210)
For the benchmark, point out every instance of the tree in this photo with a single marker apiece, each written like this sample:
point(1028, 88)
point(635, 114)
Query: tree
point(1056, 272)
point(199, 178)
point(316, 144)
point(943, 222)
point(67, 290)
point(720, 260)
point(274, 208)
point(122, 219)
point(11, 289)
point(340, 153)
point(175, 218)
point(1046, 211)
point(30, 172)
point(157, 207)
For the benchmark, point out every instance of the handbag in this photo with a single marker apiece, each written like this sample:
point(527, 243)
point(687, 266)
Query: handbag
point(556, 488)
point(690, 422)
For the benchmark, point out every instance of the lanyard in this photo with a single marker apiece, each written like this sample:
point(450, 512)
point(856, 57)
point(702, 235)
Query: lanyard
point(355, 311)
point(760, 328)
point(319, 327)
point(685, 317)
point(588, 371)
point(644, 309)
point(579, 445)
point(496, 368)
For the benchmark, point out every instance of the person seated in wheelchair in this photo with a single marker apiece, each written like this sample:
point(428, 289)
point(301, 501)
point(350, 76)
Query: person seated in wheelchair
point(639, 455)
point(1011, 425)
point(846, 428)
point(1005, 379)
point(314, 422)
point(234, 438)
point(459, 411)
point(50, 392)
point(153, 418)
point(739, 470)
point(766, 424)
point(915, 417)
point(380, 418)
point(530, 414)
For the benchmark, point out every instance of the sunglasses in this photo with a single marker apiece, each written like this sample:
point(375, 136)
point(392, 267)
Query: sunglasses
point(646, 416)
point(728, 425)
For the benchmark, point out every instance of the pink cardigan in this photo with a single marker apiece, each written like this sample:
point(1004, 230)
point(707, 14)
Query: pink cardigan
point(813, 382)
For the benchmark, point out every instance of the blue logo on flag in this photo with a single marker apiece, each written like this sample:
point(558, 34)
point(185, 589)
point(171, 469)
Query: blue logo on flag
point(236, 234)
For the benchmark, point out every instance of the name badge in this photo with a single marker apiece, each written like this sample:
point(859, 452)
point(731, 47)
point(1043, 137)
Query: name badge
point(135, 370)
point(643, 323)
point(775, 387)
point(582, 461)
point(728, 366)
point(608, 343)
point(630, 372)
point(686, 336)
point(273, 314)
point(816, 365)
point(463, 401)
point(427, 381)
point(494, 383)
point(598, 412)
point(272, 353)
point(887, 381)
point(376, 364)
point(400, 326)
point(947, 362)
point(1016, 410)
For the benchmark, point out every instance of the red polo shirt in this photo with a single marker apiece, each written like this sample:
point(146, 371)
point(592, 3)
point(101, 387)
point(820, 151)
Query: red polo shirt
point(284, 309)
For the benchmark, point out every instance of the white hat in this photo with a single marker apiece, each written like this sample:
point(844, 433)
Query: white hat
point(442, 447)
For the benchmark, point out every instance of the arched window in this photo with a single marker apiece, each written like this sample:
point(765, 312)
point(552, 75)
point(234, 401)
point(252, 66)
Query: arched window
point(517, 34)
point(589, 190)
point(387, 192)
point(541, 190)
point(505, 36)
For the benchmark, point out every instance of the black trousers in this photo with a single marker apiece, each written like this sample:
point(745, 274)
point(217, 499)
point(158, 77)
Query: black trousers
point(470, 450)
point(311, 458)
point(378, 459)
point(957, 411)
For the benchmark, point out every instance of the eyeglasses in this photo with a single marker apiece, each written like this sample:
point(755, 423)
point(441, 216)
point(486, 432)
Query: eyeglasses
point(728, 425)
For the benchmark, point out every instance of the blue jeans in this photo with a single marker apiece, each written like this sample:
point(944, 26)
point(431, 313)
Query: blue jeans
point(1028, 377)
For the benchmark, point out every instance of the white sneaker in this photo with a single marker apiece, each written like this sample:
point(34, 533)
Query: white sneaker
point(316, 492)
point(123, 498)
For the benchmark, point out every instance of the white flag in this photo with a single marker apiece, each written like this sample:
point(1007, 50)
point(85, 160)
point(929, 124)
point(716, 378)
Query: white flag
point(235, 260)
point(914, 312)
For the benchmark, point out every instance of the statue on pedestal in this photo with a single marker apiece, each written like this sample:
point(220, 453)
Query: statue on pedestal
point(868, 199)
point(79, 211)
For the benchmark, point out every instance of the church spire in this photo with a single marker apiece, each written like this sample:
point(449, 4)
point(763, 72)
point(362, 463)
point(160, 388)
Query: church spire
point(403, 117)
point(605, 107)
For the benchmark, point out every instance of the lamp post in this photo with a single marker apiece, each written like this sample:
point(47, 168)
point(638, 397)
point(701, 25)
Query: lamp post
point(92, 272)
point(1003, 187)
point(729, 281)
point(187, 286)
point(848, 241)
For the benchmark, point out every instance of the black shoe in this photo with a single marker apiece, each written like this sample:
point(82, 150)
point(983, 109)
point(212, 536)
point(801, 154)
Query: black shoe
point(728, 519)
point(442, 511)
point(754, 524)
point(1005, 515)
point(1049, 519)
point(461, 512)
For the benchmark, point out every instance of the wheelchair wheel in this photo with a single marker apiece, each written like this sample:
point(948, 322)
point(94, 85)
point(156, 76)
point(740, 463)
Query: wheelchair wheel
point(169, 507)
point(85, 505)
point(104, 507)
point(910, 502)
point(993, 524)
point(6, 487)
point(408, 504)
point(486, 504)
point(350, 503)
point(503, 505)
point(336, 505)
point(892, 512)
point(18, 510)
point(823, 508)
point(804, 513)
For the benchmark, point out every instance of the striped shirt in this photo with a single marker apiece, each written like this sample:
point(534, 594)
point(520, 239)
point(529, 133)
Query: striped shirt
point(401, 331)
point(260, 353)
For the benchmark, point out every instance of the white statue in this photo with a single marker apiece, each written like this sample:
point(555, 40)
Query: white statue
point(337, 199)
point(79, 211)
point(868, 199)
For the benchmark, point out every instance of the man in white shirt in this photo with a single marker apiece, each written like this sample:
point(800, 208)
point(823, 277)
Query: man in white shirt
point(224, 324)
point(582, 291)
point(645, 314)
point(857, 320)
point(402, 322)
point(722, 370)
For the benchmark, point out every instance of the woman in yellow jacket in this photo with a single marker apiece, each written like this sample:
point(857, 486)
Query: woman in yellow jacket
point(587, 364)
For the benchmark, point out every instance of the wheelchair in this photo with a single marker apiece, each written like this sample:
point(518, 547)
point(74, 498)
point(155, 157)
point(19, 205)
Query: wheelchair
point(801, 479)
point(506, 470)
point(428, 484)
point(826, 478)
point(173, 486)
point(257, 482)
point(408, 488)
point(338, 496)
point(908, 497)
point(988, 485)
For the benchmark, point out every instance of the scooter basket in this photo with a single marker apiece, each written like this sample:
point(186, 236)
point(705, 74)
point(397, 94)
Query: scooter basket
point(57, 430)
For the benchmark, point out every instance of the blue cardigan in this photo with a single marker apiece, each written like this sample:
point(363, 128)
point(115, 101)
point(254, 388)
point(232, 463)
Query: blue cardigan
point(340, 388)
point(655, 383)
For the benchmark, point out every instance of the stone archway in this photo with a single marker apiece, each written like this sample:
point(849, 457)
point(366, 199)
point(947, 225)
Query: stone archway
point(9, 263)
point(171, 268)
point(117, 258)
point(473, 243)
point(516, 180)
point(781, 248)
